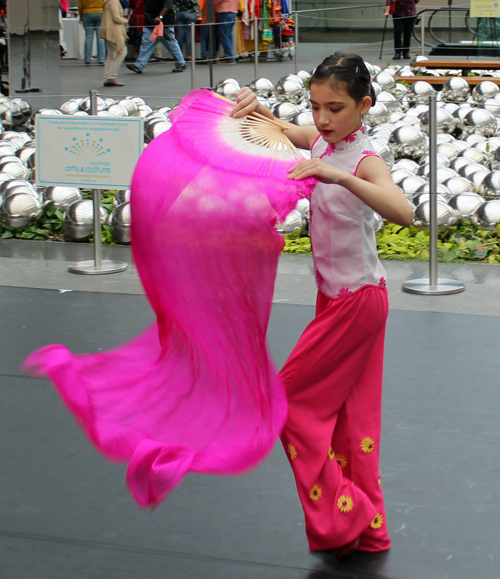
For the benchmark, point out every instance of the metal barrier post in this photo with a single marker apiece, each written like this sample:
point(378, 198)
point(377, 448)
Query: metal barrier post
point(296, 17)
point(193, 54)
point(433, 285)
point(97, 265)
point(422, 35)
point(256, 48)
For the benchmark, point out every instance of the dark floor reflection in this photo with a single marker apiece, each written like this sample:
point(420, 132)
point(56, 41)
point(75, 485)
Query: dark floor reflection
point(359, 566)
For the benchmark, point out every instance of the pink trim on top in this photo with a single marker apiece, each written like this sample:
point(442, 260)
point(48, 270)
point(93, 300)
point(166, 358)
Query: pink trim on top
point(365, 155)
point(316, 140)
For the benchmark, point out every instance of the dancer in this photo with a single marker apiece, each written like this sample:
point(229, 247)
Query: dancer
point(333, 377)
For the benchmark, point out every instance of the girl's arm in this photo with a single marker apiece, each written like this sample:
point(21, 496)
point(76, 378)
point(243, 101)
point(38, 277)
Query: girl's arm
point(301, 137)
point(372, 184)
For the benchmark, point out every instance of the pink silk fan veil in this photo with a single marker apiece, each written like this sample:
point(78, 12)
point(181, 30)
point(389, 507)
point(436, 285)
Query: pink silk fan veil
point(197, 391)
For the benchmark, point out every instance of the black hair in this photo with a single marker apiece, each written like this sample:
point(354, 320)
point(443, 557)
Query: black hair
point(349, 70)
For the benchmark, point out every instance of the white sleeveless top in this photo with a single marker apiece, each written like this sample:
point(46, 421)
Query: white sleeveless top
point(342, 226)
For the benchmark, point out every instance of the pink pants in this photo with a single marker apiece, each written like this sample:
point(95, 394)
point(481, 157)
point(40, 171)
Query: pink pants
point(333, 380)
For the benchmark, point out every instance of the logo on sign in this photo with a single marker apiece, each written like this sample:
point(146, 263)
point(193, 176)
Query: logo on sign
point(87, 145)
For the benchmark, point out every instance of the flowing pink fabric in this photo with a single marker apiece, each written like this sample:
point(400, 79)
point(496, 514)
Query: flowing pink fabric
point(197, 391)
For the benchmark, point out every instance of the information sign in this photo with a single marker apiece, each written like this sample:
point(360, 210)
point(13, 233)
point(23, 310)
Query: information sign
point(92, 152)
point(485, 9)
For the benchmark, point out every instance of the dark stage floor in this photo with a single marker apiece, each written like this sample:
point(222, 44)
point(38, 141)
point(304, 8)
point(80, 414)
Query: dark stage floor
point(65, 512)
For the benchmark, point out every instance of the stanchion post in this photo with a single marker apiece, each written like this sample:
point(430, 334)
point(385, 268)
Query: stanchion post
point(98, 266)
point(210, 53)
point(422, 34)
point(96, 198)
point(193, 54)
point(433, 285)
point(296, 18)
point(256, 48)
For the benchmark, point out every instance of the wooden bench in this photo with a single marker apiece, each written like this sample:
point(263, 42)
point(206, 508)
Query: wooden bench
point(440, 80)
point(463, 64)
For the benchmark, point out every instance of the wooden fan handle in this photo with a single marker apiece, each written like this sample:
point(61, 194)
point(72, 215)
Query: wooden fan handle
point(254, 114)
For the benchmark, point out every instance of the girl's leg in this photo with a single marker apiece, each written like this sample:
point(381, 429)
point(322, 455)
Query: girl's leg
point(356, 441)
point(327, 363)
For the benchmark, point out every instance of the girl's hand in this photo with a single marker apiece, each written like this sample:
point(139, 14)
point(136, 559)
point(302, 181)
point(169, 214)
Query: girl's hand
point(316, 168)
point(246, 103)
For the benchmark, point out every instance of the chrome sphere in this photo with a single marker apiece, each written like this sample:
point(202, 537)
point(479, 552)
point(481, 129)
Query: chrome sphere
point(294, 221)
point(440, 190)
point(424, 196)
point(262, 87)
point(455, 89)
point(18, 210)
point(27, 155)
point(264, 101)
point(389, 100)
point(378, 222)
point(377, 115)
point(384, 151)
point(8, 149)
point(410, 185)
point(488, 214)
point(10, 183)
point(121, 196)
point(445, 123)
point(448, 150)
point(475, 154)
point(377, 89)
point(446, 215)
point(131, 106)
point(144, 110)
point(492, 106)
point(118, 110)
point(458, 163)
point(473, 139)
point(120, 222)
point(18, 170)
point(303, 119)
point(467, 203)
point(484, 90)
point(304, 75)
point(477, 178)
point(19, 186)
point(228, 88)
point(457, 185)
point(156, 127)
point(285, 111)
point(86, 104)
point(103, 113)
point(304, 207)
point(25, 109)
point(445, 173)
point(408, 164)
point(495, 162)
point(70, 107)
point(78, 220)
point(399, 174)
point(480, 121)
point(162, 110)
point(442, 161)
point(62, 197)
point(468, 170)
point(385, 80)
point(408, 142)
point(420, 92)
point(290, 89)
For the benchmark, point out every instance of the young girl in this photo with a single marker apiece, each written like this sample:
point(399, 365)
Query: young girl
point(333, 377)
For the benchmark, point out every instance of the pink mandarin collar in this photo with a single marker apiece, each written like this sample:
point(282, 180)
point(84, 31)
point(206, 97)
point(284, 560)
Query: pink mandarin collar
point(352, 140)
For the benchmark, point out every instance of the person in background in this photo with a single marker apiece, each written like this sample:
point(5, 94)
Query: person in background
point(64, 6)
point(156, 11)
point(403, 16)
point(114, 32)
point(136, 25)
point(226, 17)
point(90, 12)
point(186, 15)
point(204, 35)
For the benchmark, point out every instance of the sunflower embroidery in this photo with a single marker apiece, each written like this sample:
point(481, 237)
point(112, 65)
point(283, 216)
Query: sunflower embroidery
point(367, 445)
point(350, 138)
point(345, 504)
point(330, 149)
point(331, 454)
point(292, 451)
point(377, 522)
point(341, 459)
point(382, 282)
point(315, 493)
